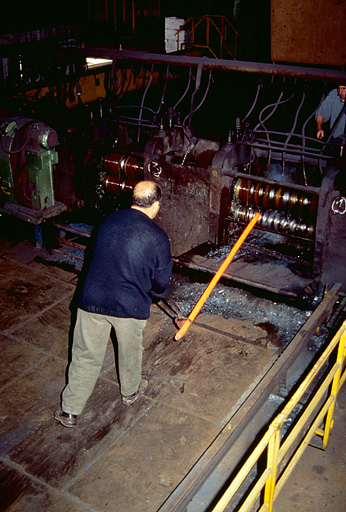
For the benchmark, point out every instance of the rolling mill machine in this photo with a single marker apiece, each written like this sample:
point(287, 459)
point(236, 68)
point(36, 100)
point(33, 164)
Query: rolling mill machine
point(212, 190)
point(270, 161)
point(216, 193)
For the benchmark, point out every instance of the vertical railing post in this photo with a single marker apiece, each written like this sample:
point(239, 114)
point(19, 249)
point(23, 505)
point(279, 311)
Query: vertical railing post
point(272, 462)
point(329, 420)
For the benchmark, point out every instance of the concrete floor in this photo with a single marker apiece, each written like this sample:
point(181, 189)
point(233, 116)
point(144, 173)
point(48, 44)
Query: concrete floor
point(319, 480)
point(118, 457)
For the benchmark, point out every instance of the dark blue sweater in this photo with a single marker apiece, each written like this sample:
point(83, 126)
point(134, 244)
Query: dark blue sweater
point(131, 262)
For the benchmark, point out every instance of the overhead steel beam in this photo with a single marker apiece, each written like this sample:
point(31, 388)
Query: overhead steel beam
point(219, 64)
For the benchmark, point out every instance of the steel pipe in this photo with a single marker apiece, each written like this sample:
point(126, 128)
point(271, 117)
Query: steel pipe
point(221, 64)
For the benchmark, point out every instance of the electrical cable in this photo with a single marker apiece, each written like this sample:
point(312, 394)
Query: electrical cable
point(143, 99)
point(202, 100)
point(186, 90)
point(259, 87)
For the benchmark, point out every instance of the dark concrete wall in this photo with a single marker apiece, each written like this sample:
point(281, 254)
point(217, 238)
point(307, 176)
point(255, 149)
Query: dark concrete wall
point(309, 31)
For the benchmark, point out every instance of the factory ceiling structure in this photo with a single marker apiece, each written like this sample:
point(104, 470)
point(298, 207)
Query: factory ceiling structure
point(215, 101)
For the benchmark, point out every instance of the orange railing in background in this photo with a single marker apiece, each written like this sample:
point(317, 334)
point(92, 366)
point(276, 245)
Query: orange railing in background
point(209, 32)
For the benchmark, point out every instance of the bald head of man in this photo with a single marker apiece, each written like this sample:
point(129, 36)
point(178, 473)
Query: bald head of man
point(147, 197)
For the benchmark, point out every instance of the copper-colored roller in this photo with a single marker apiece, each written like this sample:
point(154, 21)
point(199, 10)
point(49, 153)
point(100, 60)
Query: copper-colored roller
point(277, 221)
point(279, 205)
point(115, 186)
point(285, 199)
point(266, 196)
point(133, 167)
point(272, 196)
point(278, 198)
point(239, 189)
point(258, 193)
point(294, 203)
point(111, 162)
point(304, 203)
point(242, 190)
point(124, 165)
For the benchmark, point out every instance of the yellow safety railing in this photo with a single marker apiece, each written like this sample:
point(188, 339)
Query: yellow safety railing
point(319, 410)
point(216, 28)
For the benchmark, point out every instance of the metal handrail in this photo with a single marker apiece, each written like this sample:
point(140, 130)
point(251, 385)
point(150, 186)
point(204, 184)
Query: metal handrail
point(271, 441)
point(210, 19)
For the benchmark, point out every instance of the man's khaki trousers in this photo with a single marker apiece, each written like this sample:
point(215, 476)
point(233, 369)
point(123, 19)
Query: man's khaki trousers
point(90, 340)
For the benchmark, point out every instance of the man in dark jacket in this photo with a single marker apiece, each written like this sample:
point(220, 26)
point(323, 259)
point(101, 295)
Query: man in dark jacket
point(131, 263)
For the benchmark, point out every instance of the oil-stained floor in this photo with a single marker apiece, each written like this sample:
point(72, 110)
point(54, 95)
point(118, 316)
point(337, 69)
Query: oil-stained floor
point(118, 457)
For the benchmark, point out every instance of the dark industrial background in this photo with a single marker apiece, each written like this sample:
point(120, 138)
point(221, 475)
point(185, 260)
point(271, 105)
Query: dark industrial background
point(216, 102)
